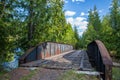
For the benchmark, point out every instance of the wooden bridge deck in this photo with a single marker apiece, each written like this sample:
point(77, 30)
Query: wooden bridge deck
point(70, 60)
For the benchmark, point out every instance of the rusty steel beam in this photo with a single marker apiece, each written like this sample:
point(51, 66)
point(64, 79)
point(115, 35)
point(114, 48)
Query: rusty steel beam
point(44, 50)
point(104, 53)
point(100, 58)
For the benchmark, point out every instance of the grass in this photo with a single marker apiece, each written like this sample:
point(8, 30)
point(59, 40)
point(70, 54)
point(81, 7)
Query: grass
point(115, 73)
point(71, 75)
point(4, 75)
point(2, 72)
point(29, 76)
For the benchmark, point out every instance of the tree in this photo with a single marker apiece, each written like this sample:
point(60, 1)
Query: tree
point(96, 23)
point(32, 20)
point(94, 20)
point(94, 27)
point(106, 33)
point(6, 31)
point(69, 36)
point(58, 21)
point(77, 37)
point(115, 24)
point(45, 21)
point(115, 15)
point(90, 17)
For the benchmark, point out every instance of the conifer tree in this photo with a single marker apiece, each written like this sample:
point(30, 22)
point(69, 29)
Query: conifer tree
point(115, 24)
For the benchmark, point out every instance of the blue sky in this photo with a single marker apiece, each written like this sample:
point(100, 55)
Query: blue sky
point(76, 11)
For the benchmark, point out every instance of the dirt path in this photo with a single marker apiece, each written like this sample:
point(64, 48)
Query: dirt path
point(47, 74)
point(15, 74)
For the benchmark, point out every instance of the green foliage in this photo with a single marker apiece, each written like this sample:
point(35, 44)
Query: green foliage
point(2, 71)
point(115, 73)
point(106, 33)
point(49, 24)
point(94, 19)
point(115, 24)
point(77, 37)
point(46, 22)
point(6, 31)
point(69, 36)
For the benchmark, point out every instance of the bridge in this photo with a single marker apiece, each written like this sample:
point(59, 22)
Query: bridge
point(57, 56)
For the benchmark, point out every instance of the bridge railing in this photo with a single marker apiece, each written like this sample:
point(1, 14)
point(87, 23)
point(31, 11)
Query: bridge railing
point(44, 50)
point(100, 59)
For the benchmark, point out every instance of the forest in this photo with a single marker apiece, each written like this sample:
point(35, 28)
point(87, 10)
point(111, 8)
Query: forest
point(26, 23)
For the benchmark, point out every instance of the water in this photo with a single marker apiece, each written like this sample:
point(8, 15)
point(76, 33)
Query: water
point(12, 64)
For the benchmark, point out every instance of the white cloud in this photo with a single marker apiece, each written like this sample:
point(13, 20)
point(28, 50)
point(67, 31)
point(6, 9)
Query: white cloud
point(100, 11)
point(73, 0)
point(70, 13)
point(70, 20)
point(81, 0)
point(78, 0)
point(79, 22)
point(66, 1)
point(83, 14)
point(80, 32)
